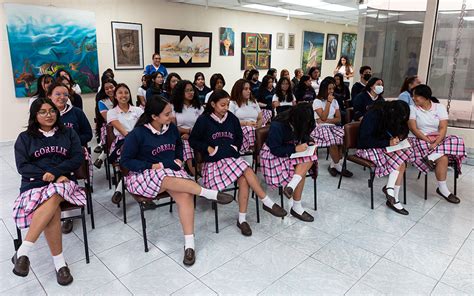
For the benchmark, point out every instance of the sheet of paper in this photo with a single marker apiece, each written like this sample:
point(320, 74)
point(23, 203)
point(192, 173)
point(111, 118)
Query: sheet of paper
point(401, 145)
point(308, 152)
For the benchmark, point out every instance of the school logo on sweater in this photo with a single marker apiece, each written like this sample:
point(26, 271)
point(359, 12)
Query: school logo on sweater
point(69, 124)
point(50, 149)
point(162, 148)
point(223, 135)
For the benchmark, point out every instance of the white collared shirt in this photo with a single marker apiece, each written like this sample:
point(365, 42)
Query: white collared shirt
point(127, 119)
point(220, 120)
point(187, 118)
point(319, 104)
point(164, 128)
point(427, 121)
point(48, 134)
point(246, 112)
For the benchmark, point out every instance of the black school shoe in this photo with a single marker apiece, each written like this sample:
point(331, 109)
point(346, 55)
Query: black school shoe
point(189, 257)
point(451, 198)
point(305, 217)
point(63, 276)
point(391, 202)
point(244, 228)
point(67, 226)
point(22, 265)
point(117, 197)
point(98, 149)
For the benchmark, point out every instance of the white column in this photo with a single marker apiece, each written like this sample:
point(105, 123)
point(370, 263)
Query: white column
point(427, 39)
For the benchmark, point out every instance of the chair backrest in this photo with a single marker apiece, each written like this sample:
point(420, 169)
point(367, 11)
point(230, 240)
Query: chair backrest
point(82, 173)
point(261, 135)
point(351, 132)
point(110, 138)
point(349, 114)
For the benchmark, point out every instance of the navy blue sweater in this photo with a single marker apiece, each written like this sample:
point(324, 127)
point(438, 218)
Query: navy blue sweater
point(142, 149)
point(266, 97)
point(362, 103)
point(202, 93)
point(281, 139)
point(357, 88)
point(77, 120)
point(59, 155)
point(254, 87)
point(368, 137)
point(208, 132)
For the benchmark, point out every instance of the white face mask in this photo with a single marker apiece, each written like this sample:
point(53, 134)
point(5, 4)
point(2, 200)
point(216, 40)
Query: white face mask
point(378, 89)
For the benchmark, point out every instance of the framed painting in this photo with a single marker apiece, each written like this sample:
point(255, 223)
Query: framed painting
point(291, 41)
point(183, 49)
point(127, 44)
point(45, 39)
point(226, 41)
point(256, 51)
point(331, 46)
point(312, 50)
point(280, 44)
point(348, 46)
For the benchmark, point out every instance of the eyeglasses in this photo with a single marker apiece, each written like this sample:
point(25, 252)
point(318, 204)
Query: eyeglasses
point(61, 94)
point(189, 90)
point(44, 113)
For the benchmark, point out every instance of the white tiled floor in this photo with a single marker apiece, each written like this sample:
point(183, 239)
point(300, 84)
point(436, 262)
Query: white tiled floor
point(349, 248)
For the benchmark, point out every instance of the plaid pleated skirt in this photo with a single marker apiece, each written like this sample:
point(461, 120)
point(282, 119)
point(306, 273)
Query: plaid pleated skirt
point(187, 150)
point(148, 182)
point(328, 135)
point(278, 171)
point(220, 174)
point(452, 146)
point(103, 134)
point(116, 149)
point(266, 116)
point(385, 162)
point(248, 140)
point(27, 202)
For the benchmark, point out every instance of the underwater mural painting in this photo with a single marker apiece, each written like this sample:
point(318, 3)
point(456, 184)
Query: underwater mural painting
point(44, 39)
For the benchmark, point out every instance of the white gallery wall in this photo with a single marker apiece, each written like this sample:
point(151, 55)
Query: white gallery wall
point(161, 14)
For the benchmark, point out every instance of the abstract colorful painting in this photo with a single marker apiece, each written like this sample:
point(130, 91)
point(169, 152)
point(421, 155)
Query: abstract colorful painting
point(312, 50)
point(179, 49)
point(256, 51)
point(348, 46)
point(45, 39)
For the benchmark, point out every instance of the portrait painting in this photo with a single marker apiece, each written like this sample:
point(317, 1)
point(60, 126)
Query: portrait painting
point(331, 46)
point(127, 45)
point(226, 41)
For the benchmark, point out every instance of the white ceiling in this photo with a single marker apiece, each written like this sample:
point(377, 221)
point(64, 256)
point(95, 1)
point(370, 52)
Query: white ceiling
point(347, 17)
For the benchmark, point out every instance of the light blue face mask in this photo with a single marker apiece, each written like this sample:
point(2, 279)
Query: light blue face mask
point(378, 89)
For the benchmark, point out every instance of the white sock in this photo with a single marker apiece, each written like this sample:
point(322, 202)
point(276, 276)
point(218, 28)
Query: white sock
point(332, 164)
point(242, 218)
point(290, 203)
point(396, 190)
point(24, 249)
point(443, 188)
point(338, 167)
point(119, 187)
point(392, 179)
point(434, 156)
point(295, 181)
point(268, 201)
point(208, 193)
point(189, 241)
point(59, 261)
point(297, 207)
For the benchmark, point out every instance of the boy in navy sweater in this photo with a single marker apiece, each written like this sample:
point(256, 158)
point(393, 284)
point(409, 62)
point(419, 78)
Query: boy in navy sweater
point(218, 136)
point(153, 154)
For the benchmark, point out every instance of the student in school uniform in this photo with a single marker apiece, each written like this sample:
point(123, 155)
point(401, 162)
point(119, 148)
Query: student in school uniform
point(283, 99)
point(71, 117)
point(372, 93)
point(304, 91)
point(74, 86)
point(327, 133)
point(244, 106)
point(141, 92)
point(406, 91)
point(432, 148)
point(156, 85)
point(153, 154)
point(218, 136)
point(217, 82)
point(384, 125)
point(358, 87)
point(252, 77)
point(170, 84)
point(264, 98)
point(123, 118)
point(186, 110)
point(42, 85)
point(46, 156)
point(289, 133)
point(315, 74)
point(104, 102)
point(201, 87)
